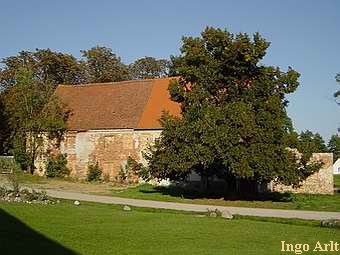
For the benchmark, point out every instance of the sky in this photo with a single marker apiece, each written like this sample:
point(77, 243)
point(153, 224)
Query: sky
point(304, 34)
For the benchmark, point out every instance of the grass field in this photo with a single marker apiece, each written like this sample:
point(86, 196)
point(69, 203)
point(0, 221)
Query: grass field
point(105, 229)
point(296, 201)
point(337, 180)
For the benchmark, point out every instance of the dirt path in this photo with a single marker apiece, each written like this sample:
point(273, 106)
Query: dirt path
point(308, 215)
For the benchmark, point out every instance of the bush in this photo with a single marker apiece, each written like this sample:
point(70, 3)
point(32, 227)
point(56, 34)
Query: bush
point(132, 168)
point(57, 166)
point(25, 195)
point(94, 172)
point(13, 180)
point(8, 165)
point(12, 169)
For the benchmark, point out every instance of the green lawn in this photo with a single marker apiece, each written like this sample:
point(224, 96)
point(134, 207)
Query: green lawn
point(105, 229)
point(296, 201)
point(25, 178)
point(337, 180)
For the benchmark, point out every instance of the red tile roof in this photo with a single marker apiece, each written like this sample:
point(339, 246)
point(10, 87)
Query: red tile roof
point(134, 104)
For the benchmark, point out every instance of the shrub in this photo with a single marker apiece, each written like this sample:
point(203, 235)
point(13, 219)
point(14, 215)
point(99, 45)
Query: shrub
point(25, 195)
point(57, 166)
point(8, 165)
point(12, 169)
point(106, 177)
point(13, 180)
point(3, 191)
point(132, 167)
point(94, 172)
point(124, 173)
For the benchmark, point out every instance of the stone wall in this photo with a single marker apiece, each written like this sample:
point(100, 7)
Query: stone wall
point(320, 182)
point(110, 148)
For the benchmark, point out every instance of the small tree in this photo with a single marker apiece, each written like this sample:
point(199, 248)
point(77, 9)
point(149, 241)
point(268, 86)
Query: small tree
point(57, 166)
point(94, 172)
point(33, 112)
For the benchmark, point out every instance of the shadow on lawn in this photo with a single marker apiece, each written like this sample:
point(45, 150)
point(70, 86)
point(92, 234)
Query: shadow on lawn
point(17, 238)
point(217, 191)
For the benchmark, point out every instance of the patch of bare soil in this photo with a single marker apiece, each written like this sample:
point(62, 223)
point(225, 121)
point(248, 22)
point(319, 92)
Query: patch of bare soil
point(96, 188)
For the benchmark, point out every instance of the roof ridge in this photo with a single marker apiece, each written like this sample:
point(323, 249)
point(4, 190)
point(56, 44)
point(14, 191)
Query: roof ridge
point(114, 82)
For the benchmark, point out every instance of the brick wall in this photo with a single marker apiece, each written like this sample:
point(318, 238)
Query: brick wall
point(110, 148)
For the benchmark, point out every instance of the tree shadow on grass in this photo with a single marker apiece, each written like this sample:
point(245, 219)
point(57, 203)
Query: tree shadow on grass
point(217, 190)
point(18, 238)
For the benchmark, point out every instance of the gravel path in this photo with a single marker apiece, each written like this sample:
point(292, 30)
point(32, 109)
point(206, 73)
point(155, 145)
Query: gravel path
point(300, 214)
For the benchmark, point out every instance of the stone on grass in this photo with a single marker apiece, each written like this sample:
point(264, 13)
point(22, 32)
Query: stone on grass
point(226, 214)
point(214, 213)
point(76, 202)
point(330, 223)
point(126, 208)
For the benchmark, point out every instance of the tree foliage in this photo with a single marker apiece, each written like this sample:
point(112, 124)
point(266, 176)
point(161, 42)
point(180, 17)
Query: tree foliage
point(102, 65)
point(310, 142)
point(234, 121)
point(149, 67)
point(32, 111)
point(4, 128)
point(46, 66)
point(334, 146)
point(47, 69)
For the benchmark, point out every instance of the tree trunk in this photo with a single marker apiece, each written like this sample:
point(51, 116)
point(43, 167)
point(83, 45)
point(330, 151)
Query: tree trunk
point(32, 156)
point(204, 182)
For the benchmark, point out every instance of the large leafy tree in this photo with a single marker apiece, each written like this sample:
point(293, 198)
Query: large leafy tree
point(149, 67)
point(32, 112)
point(48, 69)
point(334, 146)
point(102, 65)
point(234, 121)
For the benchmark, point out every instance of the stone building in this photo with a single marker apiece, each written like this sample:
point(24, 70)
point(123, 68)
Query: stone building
point(110, 121)
point(336, 166)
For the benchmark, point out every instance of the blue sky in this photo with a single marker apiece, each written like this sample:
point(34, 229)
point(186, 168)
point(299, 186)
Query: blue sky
point(303, 34)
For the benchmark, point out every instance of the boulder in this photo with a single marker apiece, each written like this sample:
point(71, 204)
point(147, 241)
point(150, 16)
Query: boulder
point(226, 214)
point(126, 208)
